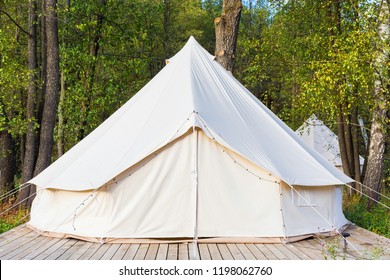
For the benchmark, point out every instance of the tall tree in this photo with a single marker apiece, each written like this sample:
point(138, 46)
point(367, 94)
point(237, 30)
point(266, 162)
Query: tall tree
point(380, 120)
point(226, 32)
point(31, 133)
point(13, 83)
point(7, 162)
point(52, 86)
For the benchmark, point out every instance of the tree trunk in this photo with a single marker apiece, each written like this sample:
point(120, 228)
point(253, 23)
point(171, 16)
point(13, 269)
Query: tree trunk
point(7, 162)
point(343, 148)
point(60, 126)
point(376, 150)
point(52, 85)
point(355, 144)
point(226, 31)
point(31, 134)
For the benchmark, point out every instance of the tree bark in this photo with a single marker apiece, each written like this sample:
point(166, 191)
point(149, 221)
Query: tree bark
point(52, 85)
point(60, 125)
point(226, 31)
point(355, 144)
point(376, 150)
point(7, 162)
point(343, 148)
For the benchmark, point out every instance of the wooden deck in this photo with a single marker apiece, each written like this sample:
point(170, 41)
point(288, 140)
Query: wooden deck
point(23, 243)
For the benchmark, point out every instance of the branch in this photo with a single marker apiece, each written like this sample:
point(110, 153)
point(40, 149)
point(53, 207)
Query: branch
point(21, 28)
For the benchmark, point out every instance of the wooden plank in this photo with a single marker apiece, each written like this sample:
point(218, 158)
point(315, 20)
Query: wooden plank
point(256, 252)
point(225, 252)
point(245, 252)
point(130, 254)
point(172, 251)
point(266, 252)
point(56, 246)
point(46, 244)
point(152, 252)
point(119, 254)
point(72, 250)
point(80, 251)
point(236, 253)
point(88, 253)
point(286, 251)
point(214, 251)
point(276, 251)
point(108, 255)
point(24, 250)
point(17, 242)
point(297, 252)
point(193, 251)
point(13, 234)
point(141, 253)
point(204, 252)
point(61, 250)
point(309, 250)
point(162, 252)
point(360, 250)
point(100, 252)
point(183, 251)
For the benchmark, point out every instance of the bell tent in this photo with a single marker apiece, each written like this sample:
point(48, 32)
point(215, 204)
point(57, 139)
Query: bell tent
point(322, 139)
point(193, 155)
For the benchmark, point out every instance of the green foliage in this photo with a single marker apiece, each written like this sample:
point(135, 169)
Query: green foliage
point(13, 82)
point(376, 220)
point(11, 218)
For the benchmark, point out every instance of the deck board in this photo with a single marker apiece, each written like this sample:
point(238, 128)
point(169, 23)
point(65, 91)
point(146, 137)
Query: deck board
point(225, 252)
point(214, 252)
point(162, 252)
point(72, 250)
point(172, 251)
point(204, 252)
point(131, 252)
point(183, 251)
point(119, 254)
point(108, 255)
point(23, 243)
point(152, 252)
point(256, 252)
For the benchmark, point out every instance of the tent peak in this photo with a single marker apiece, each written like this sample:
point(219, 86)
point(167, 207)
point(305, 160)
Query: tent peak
point(192, 41)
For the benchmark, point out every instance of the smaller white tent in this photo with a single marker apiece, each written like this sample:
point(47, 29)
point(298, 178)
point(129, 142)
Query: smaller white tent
point(322, 139)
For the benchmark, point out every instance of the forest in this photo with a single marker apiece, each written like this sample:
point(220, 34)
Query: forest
point(67, 65)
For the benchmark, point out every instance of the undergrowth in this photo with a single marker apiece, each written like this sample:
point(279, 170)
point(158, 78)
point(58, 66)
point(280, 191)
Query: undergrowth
point(11, 218)
point(376, 220)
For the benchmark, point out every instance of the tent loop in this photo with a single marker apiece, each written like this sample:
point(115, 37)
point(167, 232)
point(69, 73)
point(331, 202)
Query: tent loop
point(79, 206)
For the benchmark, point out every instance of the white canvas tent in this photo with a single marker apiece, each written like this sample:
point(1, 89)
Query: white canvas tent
point(192, 155)
point(319, 137)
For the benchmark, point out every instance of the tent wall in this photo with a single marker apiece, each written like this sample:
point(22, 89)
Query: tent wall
point(233, 202)
point(312, 209)
point(159, 198)
point(154, 200)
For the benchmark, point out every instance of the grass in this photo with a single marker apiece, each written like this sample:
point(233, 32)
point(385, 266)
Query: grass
point(11, 218)
point(376, 220)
